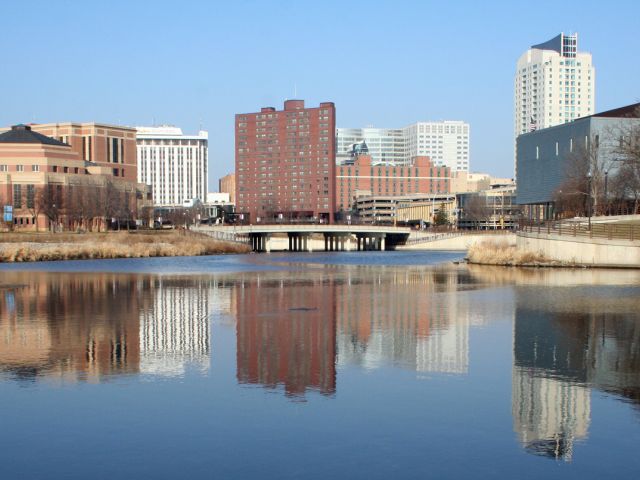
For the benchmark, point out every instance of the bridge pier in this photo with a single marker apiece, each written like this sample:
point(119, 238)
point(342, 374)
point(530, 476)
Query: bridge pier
point(299, 242)
point(339, 242)
point(367, 242)
point(260, 242)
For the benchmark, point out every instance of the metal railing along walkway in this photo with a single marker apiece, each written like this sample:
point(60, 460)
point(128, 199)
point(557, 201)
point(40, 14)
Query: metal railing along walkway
point(609, 231)
point(436, 236)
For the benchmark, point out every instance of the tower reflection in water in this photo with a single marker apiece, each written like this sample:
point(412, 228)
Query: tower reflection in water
point(88, 327)
point(573, 332)
point(174, 332)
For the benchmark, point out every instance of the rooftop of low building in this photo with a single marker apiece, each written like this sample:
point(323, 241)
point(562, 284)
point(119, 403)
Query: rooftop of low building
point(23, 134)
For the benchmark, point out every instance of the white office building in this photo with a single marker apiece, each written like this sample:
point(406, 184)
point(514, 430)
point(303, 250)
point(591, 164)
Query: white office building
point(175, 165)
point(446, 143)
point(554, 84)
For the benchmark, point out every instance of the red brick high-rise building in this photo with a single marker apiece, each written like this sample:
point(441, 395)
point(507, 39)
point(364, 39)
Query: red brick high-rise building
point(285, 163)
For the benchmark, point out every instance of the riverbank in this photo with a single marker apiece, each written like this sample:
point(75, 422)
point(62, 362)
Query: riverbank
point(34, 247)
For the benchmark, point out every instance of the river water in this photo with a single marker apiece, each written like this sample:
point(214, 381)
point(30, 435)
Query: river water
point(328, 365)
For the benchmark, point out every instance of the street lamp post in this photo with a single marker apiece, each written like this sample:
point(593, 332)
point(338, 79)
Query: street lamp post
point(589, 198)
point(606, 196)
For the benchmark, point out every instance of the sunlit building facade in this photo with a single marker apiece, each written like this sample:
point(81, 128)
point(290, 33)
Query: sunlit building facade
point(446, 143)
point(173, 164)
point(285, 163)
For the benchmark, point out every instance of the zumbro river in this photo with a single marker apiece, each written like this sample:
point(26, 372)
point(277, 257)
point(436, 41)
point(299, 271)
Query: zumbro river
point(329, 365)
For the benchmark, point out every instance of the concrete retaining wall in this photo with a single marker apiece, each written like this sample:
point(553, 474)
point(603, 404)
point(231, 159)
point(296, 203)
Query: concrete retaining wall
point(584, 251)
point(460, 242)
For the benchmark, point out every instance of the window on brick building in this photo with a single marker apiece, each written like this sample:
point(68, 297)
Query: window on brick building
point(17, 196)
point(31, 196)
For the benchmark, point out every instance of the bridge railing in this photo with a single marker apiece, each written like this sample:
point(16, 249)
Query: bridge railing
point(426, 236)
point(227, 236)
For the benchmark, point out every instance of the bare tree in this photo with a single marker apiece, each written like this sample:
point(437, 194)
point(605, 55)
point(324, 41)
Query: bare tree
point(626, 181)
point(586, 168)
point(34, 203)
point(82, 206)
point(476, 210)
point(109, 202)
point(625, 187)
point(51, 202)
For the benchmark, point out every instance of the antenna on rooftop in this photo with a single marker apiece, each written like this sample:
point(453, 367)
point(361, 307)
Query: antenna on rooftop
point(295, 90)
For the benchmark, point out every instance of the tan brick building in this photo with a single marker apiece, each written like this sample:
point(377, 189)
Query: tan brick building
point(227, 184)
point(108, 146)
point(48, 184)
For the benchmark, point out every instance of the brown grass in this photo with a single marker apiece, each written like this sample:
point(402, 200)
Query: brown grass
point(42, 247)
point(491, 252)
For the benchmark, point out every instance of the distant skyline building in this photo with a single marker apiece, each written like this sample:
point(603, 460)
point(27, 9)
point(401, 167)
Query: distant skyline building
point(285, 163)
point(446, 143)
point(173, 164)
point(227, 184)
point(554, 84)
point(362, 177)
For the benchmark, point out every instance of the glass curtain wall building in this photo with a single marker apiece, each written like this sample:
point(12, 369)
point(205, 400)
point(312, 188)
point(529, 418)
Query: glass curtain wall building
point(446, 143)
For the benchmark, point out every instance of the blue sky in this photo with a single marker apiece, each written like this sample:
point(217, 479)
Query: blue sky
point(386, 64)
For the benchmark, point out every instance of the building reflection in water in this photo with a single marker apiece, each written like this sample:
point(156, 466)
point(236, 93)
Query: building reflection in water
point(174, 332)
point(551, 404)
point(294, 327)
point(88, 327)
point(409, 317)
point(566, 342)
point(286, 331)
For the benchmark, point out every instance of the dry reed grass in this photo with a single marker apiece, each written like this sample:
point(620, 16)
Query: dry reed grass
point(491, 252)
point(46, 247)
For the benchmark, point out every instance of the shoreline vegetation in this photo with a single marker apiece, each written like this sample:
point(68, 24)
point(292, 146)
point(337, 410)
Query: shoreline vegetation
point(35, 247)
point(490, 252)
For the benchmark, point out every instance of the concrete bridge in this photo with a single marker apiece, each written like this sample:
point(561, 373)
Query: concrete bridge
point(309, 238)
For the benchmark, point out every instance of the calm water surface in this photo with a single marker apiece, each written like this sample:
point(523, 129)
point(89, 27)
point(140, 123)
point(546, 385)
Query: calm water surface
point(342, 365)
